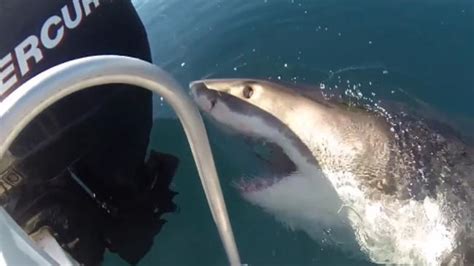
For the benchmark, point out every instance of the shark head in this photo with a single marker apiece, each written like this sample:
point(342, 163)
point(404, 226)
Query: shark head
point(307, 129)
point(311, 130)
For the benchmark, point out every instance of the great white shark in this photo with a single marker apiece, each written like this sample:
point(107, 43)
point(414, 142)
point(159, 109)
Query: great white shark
point(396, 188)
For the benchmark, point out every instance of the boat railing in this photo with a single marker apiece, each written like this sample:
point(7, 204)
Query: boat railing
point(48, 87)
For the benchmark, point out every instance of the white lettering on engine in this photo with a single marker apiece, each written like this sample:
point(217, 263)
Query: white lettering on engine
point(87, 5)
point(29, 52)
point(48, 41)
point(7, 73)
point(25, 51)
point(71, 24)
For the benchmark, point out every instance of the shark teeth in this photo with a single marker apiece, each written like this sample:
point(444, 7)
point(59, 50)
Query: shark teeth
point(247, 185)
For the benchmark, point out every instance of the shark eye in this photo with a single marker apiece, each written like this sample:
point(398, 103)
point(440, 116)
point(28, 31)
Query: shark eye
point(247, 92)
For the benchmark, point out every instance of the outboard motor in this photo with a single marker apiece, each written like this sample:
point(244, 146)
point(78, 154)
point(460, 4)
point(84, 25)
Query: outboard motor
point(80, 171)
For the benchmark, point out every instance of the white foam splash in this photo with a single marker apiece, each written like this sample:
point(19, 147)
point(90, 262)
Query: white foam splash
point(391, 231)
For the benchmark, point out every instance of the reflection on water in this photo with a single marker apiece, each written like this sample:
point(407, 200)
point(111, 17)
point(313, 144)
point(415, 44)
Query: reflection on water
point(419, 52)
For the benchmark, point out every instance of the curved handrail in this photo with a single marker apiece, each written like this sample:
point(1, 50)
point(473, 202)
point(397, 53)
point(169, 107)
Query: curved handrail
point(40, 92)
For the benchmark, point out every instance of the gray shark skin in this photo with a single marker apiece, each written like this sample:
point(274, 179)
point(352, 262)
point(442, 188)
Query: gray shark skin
point(393, 183)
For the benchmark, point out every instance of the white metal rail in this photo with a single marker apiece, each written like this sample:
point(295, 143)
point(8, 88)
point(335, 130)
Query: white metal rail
point(25, 103)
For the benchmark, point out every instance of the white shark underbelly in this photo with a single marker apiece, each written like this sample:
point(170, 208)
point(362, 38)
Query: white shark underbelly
point(307, 202)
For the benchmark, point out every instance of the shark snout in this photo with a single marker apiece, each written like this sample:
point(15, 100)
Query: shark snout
point(197, 88)
point(205, 98)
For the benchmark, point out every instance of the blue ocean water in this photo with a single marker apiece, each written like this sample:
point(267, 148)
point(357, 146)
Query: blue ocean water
point(423, 48)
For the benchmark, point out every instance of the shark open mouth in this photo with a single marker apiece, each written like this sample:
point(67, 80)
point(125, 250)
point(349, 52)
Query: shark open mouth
point(274, 166)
